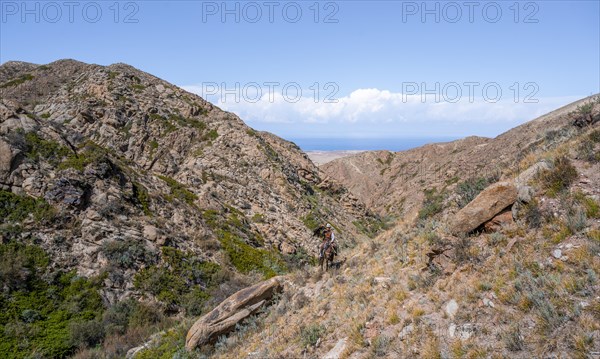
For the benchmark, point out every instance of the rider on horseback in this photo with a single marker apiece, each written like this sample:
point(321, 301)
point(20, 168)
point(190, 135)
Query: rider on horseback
point(328, 240)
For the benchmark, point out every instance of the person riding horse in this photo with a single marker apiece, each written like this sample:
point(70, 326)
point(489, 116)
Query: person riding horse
point(328, 240)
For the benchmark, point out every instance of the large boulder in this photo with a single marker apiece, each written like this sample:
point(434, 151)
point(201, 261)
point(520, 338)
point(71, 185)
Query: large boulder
point(7, 157)
point(530, 173)
point(230, 312)
point(500, 220)
point(491, 201)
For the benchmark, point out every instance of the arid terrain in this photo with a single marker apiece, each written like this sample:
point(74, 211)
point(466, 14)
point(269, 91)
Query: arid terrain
point(322, 157)
point(141, 221)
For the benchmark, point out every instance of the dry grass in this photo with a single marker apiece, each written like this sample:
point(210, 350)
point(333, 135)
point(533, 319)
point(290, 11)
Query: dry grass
point(529, 287)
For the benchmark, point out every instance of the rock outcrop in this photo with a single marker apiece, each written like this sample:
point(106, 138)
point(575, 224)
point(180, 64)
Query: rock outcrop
point(491, 201)
point(392, 183)
point(500, 220)
point(131, 161)
point(230, 312)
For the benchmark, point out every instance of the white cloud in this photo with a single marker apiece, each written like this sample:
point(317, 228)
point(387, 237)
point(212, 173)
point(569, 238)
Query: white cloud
point(382, 107)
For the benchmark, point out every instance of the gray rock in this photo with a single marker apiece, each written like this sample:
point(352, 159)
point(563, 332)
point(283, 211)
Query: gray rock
point(230, 312)
point(491, 201)
point(524, 193)
point(529, 174)
point(451, 308)
point(557, 253)
point(405, 332)
point(488, 303)
point(337, 350)
point(7, 156)
point(150, 233)
point(463, 332)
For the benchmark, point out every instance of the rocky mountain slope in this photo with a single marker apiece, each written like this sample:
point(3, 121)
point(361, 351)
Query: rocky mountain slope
point(144, 191)
point(514, 273)
point(396, 183)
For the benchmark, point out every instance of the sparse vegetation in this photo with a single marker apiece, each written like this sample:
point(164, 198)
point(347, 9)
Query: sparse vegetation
point(246, 258)
point(587, 147)
point(311, 220)
point(17, 81)
point(178, 191)
point(17, 208)
point(309, 335)
point(559, 178)
point(38, 148)
point(532, 215)
point(181, 280)
point(469, 189)
point(127, 253)
point(585, 109)
point(141, 197)
point(89, 153)
point(432, 204)
point(41, 315)
point(373, 225)
point(513, 339)
point(211, 135)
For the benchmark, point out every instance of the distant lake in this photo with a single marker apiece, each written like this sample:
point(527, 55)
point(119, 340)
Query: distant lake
point(366, 144)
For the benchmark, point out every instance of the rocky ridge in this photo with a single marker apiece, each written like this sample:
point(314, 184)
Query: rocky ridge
point(395, 183)
point(128, 160)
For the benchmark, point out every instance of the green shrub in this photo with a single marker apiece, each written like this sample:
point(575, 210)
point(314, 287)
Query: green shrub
point(171, 345)
point(138, 87)
point(469, 189)
point(311, 220)
point(585, 109)
point(153, 146)
point(179, 191)
point(86, 334)
point(166, 124)
point(380, 345)
point(258, 218)
point(531, 214)
point(140, 194)
point(373, 225)
point(88, 153)
point(513, 339)
point(587, 148)
point(144, 315)
point(38, 149)
point(188, 122)
point(559, 178)
point(16, 208)
point(21, 79)
point(432, 204)
point(116, 318)
point(212, 218)
point(193, 302)
point(309, 335)
point(300, 258)
point(213, 134)
point(246, 258)
point(125, 254)
point(594, 136)
point(180, 273)
point(576, 219)
point(38, 309)
point(20, 265)
point(539, 292)
point(462, 249)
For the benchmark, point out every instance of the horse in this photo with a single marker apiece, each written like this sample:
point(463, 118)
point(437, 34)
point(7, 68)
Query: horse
point(326, 260)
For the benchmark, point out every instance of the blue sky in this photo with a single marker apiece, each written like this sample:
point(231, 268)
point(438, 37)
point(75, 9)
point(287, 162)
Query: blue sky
point(374, 59)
